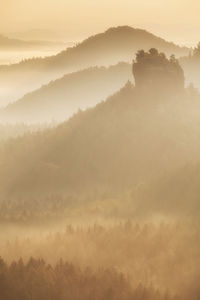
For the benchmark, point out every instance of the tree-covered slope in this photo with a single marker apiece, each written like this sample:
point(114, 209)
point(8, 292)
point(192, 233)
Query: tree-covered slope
point(61, 98)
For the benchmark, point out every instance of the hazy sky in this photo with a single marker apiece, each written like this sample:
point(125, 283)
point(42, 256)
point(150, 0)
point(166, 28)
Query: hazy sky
point(176, 20)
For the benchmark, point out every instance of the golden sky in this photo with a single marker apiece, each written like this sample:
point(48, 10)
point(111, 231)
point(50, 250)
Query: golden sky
point(176, 20)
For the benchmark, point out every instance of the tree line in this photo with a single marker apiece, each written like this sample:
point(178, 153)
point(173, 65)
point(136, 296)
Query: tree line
point(37, 280)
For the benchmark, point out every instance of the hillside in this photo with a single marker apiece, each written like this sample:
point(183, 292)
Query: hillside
point(8, 131)
point(60, 99)
point(109, 155)
point(112, 46)
point(173, 194)
point(117, 147)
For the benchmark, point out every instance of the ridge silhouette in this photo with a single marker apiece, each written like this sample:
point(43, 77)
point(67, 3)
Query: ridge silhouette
point(103, 49)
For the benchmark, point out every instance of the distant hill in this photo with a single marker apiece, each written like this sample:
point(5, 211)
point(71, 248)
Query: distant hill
point(112, 46)
point(17, 44)
point(40, 34)
point(60, 99)
point(7, 43)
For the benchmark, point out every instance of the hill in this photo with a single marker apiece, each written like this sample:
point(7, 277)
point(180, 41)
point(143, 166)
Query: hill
point(10, 44)
point(62, 98)
point(107, 152)
point(40, 34)
point(112, 46)
point(7, 43)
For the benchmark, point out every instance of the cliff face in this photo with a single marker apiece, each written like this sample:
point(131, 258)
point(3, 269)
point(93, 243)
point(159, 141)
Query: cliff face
point(154, 72)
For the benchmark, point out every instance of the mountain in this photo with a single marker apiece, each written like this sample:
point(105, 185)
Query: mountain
point(62, 98)
point(112, 46)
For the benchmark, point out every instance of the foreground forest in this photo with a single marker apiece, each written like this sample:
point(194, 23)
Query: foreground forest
point(37, 280)
point(127, 260)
